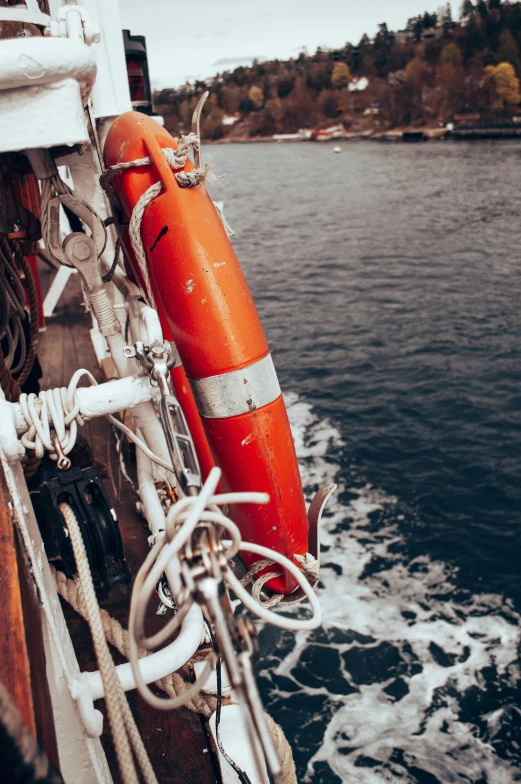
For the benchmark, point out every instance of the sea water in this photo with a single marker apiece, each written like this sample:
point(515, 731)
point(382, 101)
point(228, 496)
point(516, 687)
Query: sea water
point(388, 280)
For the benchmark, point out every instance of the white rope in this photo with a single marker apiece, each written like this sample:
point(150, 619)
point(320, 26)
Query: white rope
point(134, 231)
point(58, 410)
point(176, 159)
point(182, 521)
point(261, 609)
point(283, 749)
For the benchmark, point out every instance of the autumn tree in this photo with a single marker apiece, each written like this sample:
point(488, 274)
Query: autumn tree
point(265, 122)
point(285, 85)
point(318, 76)
point(450, 87)
point(341, 76)
point(433, 72)
point(230, 99)
point(256, 96)
point(414, 72)
point(299, 109)
point(412, 90)
point(504, 86)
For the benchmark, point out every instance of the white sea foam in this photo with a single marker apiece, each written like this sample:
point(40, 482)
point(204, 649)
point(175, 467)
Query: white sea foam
point(408, 605)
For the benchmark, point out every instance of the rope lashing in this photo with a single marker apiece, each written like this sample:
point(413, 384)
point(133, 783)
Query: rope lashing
point(58, 410)
point(308, 564)
point(176, 159)
point(54, 409)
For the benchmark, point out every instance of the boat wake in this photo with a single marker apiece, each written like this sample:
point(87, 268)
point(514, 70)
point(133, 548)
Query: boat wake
point(411, 678)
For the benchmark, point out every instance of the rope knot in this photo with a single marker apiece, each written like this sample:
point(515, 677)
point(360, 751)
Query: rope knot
point(55, 413)
point(189, 179)
point(308, 565)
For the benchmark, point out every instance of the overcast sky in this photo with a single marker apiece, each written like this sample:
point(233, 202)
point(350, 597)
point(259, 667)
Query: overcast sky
point(190, 39)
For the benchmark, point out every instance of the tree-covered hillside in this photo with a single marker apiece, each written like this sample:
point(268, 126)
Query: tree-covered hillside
point(436, 68)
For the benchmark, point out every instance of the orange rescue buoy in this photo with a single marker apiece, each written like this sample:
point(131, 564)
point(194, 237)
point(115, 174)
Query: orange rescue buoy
point(202, 295)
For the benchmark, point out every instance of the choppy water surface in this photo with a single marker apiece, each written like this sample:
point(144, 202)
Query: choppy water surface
point(388, 279)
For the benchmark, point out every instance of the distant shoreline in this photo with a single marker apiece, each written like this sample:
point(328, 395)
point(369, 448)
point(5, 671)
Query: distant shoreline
point(406, 136)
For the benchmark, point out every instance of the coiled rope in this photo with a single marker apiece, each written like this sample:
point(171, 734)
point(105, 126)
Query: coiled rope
point(201, 514)
point(12, 394)
point(185, 179)
point(52, 420)
point(58, 410)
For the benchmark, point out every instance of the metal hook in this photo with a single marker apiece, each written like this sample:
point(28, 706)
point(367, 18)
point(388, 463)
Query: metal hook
point(63, 461)
point(196, 128)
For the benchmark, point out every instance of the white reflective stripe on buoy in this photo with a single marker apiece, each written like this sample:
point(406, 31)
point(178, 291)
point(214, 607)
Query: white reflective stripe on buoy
point(237, 392)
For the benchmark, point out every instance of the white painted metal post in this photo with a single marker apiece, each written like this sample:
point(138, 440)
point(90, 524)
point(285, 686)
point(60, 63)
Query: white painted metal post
point(110, 95)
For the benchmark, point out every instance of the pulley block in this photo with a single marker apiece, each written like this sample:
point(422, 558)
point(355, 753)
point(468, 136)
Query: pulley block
point(82, 489)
